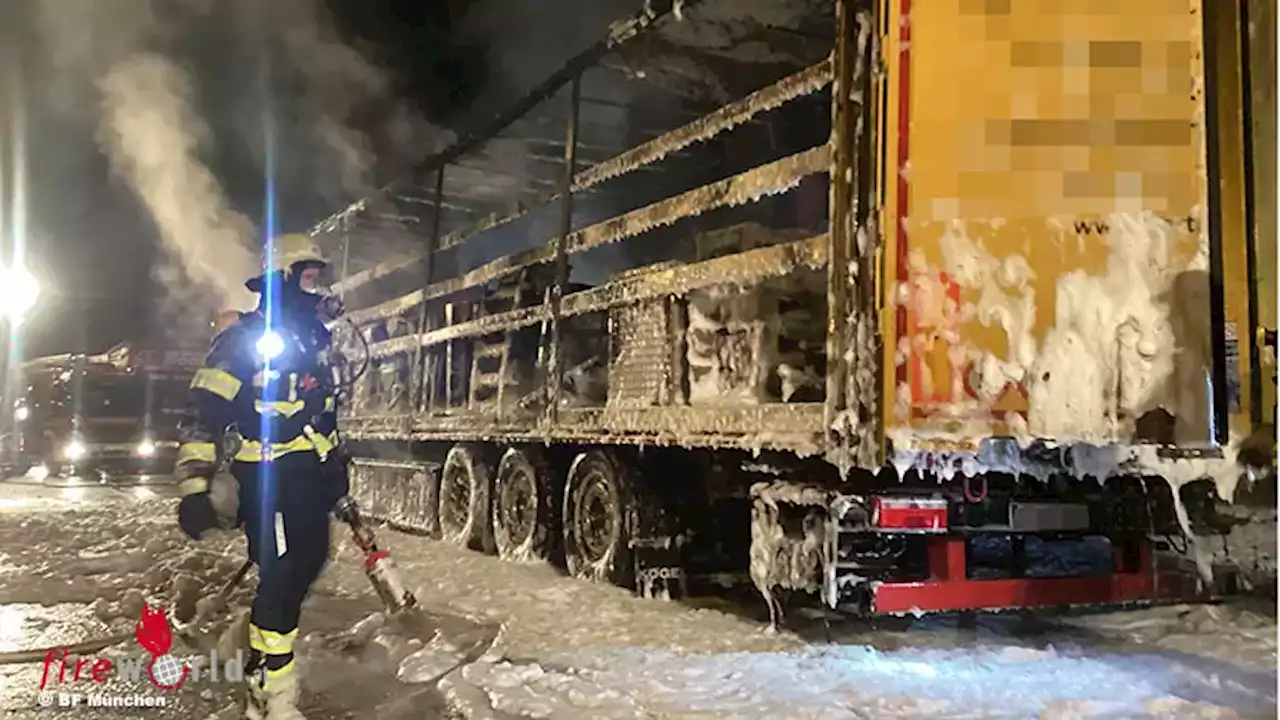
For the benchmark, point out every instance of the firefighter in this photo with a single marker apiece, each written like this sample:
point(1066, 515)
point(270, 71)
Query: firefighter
point(267, 381)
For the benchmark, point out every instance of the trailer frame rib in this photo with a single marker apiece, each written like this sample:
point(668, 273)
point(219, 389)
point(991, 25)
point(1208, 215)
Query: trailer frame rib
point(805, 82)
point(774, 177)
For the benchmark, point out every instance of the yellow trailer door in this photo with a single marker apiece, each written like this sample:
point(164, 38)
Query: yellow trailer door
point(1046, 222)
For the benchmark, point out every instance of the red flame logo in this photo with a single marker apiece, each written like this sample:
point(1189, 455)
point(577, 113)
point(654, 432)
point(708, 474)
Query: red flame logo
point(153, 634)
point(152, 631)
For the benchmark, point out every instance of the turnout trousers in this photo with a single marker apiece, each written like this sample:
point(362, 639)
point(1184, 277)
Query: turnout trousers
point(284, 507)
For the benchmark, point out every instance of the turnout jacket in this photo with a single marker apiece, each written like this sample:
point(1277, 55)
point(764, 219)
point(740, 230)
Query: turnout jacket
point(277, 406)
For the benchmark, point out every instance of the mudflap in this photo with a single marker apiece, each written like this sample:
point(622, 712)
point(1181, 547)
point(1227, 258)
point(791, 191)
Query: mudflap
point(657, 549)
point(660, 572)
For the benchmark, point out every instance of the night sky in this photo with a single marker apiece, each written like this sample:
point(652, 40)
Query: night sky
point(359, 91)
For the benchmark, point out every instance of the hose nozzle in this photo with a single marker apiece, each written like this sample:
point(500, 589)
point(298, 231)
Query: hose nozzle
point(395, 595)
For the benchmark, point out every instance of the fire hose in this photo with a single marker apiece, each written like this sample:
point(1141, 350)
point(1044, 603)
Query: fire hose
point(18, 657)
point(394, 594)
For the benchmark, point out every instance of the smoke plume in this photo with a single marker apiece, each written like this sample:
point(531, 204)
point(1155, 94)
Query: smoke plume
point(163, 99)
point(153, 138)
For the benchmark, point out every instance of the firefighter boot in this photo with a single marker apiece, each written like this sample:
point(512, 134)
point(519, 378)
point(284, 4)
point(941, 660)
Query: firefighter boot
point(273, 696)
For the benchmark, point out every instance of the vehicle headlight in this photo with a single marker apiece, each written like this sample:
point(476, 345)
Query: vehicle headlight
point(270, 345)
point(22, 413)
point(146, 449)
point(75, 450)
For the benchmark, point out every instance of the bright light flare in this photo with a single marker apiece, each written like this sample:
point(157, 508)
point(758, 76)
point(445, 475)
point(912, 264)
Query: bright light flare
point(22, 413)
point(146, 449)
point(75, 450)
point(19, 292)
point(270, 345)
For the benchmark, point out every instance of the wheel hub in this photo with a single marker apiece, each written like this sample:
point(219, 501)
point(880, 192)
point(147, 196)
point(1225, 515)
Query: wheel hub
point(517, 505)
point(597, 518)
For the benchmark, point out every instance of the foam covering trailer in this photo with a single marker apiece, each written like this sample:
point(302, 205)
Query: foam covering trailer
point(963, 295)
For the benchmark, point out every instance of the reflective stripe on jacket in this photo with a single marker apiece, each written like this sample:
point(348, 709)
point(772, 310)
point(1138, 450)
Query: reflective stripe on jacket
point(280, 408)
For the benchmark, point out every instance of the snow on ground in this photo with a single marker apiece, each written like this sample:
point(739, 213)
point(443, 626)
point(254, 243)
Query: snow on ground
point(523, 641)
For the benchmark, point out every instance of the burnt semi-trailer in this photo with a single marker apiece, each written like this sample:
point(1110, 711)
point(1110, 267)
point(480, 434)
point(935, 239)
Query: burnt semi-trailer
point(868, 354)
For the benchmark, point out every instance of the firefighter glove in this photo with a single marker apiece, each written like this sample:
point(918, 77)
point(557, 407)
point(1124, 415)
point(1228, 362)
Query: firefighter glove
point(196, 515)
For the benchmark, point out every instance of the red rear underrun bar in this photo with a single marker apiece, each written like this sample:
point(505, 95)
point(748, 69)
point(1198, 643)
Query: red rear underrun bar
point(1133, 580)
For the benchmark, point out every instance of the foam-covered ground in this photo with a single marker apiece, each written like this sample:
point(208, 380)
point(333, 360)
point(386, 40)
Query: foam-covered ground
point(860, 681)
point(501, 640)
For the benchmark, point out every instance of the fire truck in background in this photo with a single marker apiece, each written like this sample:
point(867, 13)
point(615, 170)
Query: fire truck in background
point(99, 416)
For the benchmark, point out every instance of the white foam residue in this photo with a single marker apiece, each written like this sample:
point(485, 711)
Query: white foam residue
point(1124, 342)
point(430, 663)
point(626, 657)
point(858, 681)
point(1223, 472)
point(780, 561)
point(1111, 350)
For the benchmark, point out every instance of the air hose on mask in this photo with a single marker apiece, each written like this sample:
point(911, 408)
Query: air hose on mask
point(347, 386)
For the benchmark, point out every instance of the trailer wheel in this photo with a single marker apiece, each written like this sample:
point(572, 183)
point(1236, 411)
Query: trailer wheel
point(524, 506)
point(465, 483)
point(597, 517)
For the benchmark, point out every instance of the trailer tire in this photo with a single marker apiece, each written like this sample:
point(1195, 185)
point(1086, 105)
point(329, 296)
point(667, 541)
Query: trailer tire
point(524, 506)
point(598, 518)
point(465, 490)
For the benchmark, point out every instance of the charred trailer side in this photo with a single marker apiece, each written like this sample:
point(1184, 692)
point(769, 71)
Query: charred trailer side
point(866, 403)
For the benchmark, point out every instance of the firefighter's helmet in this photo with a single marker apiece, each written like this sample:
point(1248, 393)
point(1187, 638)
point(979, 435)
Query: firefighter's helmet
point(286, 252)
